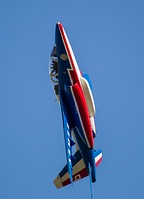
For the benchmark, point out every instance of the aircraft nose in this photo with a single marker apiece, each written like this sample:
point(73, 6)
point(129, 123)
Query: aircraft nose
point(58, 26)
point(58, 32)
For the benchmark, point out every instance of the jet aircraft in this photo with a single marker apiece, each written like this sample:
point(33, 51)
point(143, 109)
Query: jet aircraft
point(73, 91)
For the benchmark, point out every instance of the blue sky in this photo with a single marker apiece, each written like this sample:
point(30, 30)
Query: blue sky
point(108, 41)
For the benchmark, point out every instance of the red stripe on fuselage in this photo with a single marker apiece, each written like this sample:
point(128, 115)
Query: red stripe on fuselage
point(83, 111)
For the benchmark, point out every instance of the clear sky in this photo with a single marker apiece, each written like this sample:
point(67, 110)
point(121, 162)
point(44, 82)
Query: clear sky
point(107, 37)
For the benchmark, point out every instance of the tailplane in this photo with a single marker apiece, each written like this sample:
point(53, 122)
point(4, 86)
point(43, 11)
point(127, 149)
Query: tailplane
point(79, 170)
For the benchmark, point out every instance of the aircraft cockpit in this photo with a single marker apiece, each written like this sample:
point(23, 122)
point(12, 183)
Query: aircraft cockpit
point(53, 71)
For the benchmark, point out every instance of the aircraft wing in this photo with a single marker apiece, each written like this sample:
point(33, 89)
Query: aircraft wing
point(79, 169)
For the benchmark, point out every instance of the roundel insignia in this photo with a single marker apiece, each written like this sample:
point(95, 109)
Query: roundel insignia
point(63, 57)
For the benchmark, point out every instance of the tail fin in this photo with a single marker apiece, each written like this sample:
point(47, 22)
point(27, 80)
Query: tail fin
point(98, 157)
point(79, 170)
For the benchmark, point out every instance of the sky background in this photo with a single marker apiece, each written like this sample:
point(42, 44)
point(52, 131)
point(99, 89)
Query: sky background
point(107, 37)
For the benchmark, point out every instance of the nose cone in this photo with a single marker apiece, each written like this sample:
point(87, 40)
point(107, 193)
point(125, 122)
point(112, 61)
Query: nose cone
point(57, 26)
point(59, 39)
point(58, 29)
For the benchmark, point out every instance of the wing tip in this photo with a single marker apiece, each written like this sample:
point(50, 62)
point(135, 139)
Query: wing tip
point(57, 182)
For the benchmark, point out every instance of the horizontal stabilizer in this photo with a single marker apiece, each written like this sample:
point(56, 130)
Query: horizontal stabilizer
point(79, 170)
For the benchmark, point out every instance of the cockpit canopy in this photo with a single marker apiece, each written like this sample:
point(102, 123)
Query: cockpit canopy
point(53, 69)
